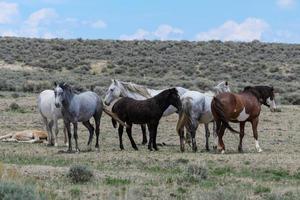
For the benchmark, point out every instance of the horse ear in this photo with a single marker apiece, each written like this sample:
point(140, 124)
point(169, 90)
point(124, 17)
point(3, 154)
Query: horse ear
point(226, 83)
point(55, 83)
point(272, 88)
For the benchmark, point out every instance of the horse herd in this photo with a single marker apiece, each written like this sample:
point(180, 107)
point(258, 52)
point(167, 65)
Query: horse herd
point(136, 104)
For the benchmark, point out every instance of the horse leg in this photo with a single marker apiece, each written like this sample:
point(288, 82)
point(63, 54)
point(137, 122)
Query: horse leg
point(217, 129)
point(76, 137)
point(97, 124)
point(207, 134)
point(52, 140)
point(68, 127)
point(220, 136)
point(128, 131)
point(180, 130)
point(120, 131)
point(48, 130)
point(151, 136)
point(188, 139)
point(154, 136)
point(66, 136)
point(193, 129)
point(89, 126)
point(242, 133)
point(143, 127)
point(254, 123)
point(215, 135)
point(55, 131)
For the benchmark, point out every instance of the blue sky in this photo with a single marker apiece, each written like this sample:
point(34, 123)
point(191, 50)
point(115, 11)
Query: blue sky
point(237, 20)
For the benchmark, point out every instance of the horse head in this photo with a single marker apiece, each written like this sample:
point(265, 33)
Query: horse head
point(174, 98)
point(265, 95)
point(61, 92)
point(113, 92)
point(222, 87)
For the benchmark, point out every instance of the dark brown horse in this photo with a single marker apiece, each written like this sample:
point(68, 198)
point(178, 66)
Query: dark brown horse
point(147, 111)
point(241, 108)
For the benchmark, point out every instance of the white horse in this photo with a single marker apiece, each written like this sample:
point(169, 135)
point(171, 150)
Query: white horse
point(50, 115)
point(196, 108)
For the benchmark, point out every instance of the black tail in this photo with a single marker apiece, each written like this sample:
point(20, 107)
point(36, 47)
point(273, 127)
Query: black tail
point(114, 122)
point(217, 106)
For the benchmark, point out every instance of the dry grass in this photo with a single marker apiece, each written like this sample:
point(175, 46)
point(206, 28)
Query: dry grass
point(129, 174)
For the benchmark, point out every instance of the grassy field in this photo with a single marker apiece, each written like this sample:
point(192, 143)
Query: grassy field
point(166, 174)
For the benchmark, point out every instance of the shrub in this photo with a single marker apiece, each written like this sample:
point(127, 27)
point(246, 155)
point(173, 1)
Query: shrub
point(15, 191)
point(14, 106)
point(80, 174)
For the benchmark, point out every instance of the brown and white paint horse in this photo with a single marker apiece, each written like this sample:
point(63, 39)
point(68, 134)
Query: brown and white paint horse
point(240, 108)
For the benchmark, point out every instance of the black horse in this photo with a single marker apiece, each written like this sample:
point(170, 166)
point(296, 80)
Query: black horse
point(147, 111)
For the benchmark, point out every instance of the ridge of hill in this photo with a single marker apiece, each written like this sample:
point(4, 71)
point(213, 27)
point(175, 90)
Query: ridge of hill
point(33, 64)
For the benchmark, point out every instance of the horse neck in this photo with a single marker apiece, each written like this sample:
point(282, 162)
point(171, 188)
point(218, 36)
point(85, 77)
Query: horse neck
point(67, 102)
point(162, 101)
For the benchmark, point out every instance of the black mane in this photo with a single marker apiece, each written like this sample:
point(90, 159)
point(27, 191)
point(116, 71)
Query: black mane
point(262, 93)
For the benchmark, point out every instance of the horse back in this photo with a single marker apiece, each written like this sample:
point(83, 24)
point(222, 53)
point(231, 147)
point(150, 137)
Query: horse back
point(137, 111)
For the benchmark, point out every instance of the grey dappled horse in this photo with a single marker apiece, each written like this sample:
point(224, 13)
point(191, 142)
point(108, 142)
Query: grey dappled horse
point(79, 108)
point(196, 109)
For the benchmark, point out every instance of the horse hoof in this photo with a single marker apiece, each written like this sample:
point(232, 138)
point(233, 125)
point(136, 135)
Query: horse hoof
point(215, 147)
point(56, 145)
point(77, 151)
point(155, 148)
point(144, 142)
point(223, 152)
point(66, 144)
point(259, 150)
point(49, 145)
point(150, 149)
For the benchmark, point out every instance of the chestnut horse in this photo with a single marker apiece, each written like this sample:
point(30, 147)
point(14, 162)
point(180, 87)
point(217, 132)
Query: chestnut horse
point(241, 108)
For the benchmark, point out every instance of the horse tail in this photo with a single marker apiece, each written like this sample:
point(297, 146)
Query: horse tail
point(114, 122)
point(218, 107)
point(185, 113)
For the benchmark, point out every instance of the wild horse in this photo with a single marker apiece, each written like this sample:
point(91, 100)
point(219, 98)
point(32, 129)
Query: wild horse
point(241, 108)
point(147, 111)
point(79, 108)
point(195, 110)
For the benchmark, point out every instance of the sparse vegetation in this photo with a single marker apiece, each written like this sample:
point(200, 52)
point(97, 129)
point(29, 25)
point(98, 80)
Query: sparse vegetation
point(80, 174)
point(10, 190)
point(195, 65)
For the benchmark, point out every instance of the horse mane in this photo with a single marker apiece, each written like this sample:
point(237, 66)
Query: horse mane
point(253, 91)
point(142, 90)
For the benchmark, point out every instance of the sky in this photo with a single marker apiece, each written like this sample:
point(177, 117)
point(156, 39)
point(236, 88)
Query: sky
point(193, 20)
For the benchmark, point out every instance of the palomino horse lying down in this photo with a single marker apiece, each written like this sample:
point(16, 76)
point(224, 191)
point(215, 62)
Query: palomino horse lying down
point(147, 111)
point(240, 108)
point(29, 136)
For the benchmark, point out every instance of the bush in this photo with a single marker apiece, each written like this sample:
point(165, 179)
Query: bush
point(15, 191)
point(80, 174)
point(14, 106)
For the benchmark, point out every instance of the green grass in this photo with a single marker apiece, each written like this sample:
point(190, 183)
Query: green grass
point(116, 181)
point(261, 189)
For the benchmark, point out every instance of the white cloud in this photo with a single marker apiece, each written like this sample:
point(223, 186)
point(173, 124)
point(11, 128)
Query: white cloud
point(99, 24)
point(8, 11)
point(248, 30)
point(140, 34)
point(286, 3)
point(163, 32)
point(42, 16)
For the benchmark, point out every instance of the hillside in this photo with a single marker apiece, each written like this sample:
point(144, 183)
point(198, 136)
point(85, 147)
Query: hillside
point(33, 64)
